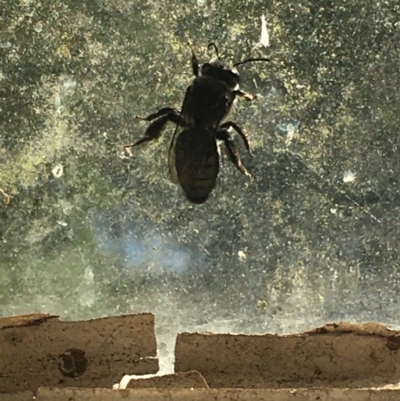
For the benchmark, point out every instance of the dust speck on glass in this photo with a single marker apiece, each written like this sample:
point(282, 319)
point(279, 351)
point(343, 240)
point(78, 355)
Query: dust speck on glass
point(86, 231)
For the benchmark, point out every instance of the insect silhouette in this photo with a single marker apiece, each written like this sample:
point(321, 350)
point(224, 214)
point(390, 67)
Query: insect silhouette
point(203, 120)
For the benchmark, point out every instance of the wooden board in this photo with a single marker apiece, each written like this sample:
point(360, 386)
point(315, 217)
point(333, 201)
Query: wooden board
point(40, 350)
point(336, 355)
point(44, 359)
point(324, 394)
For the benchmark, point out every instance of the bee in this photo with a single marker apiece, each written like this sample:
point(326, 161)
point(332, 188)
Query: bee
point(193, 159)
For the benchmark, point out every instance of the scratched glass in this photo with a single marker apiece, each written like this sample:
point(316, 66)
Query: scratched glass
point(88, 230)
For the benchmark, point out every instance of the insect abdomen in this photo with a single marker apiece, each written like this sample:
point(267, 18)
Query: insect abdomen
point(197, 163)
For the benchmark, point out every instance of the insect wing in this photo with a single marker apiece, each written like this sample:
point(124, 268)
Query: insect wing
point(178, 130)
point(197, 162)
point(172, 156)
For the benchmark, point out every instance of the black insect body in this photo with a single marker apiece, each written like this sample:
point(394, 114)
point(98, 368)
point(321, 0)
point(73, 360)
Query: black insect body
point(193, 154)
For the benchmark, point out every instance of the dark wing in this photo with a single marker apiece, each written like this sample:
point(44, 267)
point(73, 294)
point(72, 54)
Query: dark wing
point(196, 159)
point(171, 157)
point(178, 130)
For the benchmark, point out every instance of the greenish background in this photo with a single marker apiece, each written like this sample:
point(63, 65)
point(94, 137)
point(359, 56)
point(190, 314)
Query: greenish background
point(88, 232)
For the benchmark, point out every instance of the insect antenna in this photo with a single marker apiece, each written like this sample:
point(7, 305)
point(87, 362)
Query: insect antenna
point(213, 45)
point(250, 60)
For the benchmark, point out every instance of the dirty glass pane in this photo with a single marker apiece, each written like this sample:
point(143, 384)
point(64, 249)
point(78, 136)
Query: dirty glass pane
point(87, 230)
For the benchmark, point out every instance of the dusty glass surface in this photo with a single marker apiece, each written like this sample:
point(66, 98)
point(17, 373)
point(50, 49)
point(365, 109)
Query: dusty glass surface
point(86, 231)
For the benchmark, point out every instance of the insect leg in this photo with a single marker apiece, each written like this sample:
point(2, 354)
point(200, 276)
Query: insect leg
point(234, 155)
point(156, 128)
point(159, 113)
point(195, 64)
point(240, 131)
point(248, 96)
